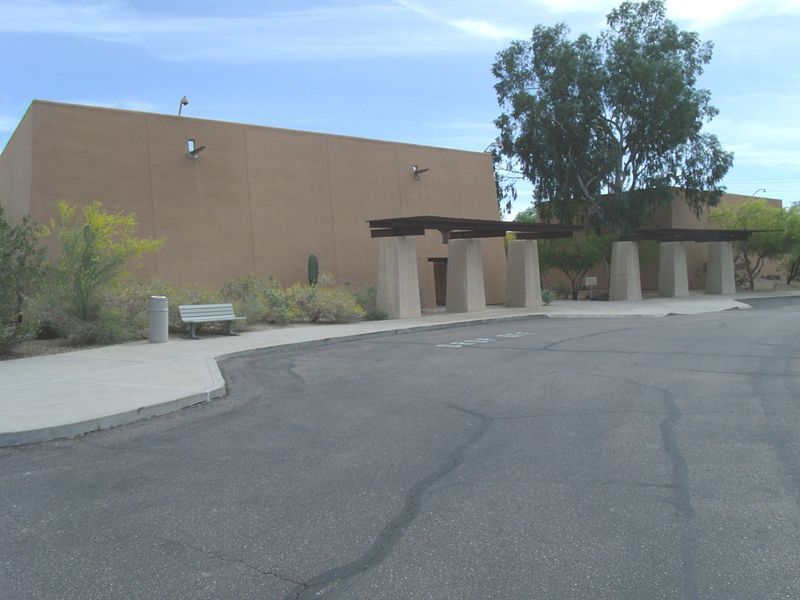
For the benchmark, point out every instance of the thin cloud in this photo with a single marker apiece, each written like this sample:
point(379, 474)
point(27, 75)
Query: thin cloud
point(348, 31)
point(714, 13)
point(472, 25)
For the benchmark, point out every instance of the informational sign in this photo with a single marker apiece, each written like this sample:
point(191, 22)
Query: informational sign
point(590, 282)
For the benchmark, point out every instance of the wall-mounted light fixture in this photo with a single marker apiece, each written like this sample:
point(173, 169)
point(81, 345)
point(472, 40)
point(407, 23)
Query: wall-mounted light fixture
point(417, 171)
point(496, 145)
point(184, 102)
point(193, 150)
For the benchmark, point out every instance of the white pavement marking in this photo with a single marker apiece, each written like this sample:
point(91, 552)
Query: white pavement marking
point(475, 341)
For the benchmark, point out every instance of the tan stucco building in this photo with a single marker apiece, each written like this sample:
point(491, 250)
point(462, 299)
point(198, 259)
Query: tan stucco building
point(257, 200)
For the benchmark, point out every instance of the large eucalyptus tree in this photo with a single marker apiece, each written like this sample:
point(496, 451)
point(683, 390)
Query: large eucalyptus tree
point(610, 126)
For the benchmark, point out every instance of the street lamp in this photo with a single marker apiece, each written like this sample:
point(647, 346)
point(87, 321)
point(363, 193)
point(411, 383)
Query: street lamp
point(184, 102)
point(759, 190)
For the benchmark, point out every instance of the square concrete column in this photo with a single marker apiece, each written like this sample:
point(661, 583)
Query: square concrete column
point(523, 288)
point(673, 277)
point(398, 282)
point(625, 282)
point(720, 273)
point(465, 292)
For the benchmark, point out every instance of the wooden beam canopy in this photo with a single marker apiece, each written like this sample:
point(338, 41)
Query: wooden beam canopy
point(457, 228)
point(690, 235)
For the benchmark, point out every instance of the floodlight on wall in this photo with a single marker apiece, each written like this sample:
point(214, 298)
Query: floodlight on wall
point(495, 146)
point(193, 150)
point(417, 171)
point(184, 102)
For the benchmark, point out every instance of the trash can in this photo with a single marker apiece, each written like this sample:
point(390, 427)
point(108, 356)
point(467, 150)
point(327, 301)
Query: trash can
point(158, 316)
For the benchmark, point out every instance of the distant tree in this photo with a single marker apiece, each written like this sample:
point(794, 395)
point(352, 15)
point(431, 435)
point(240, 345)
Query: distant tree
point(526, 216)
point(608, 127)
point(574, 257)
point(750, 255)
point(792, 239)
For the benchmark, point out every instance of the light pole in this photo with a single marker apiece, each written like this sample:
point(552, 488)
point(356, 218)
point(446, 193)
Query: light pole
point(184, 102)
point(759, 190)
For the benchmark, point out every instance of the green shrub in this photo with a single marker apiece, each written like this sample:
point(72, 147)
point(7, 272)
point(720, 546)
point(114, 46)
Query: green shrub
point(129, 298)
point(367, 298)
point(86, 297)
point(51, 309)
point(548, 296)
point(95, 248)
point(376, 315)
point(21, 267)
point(12, 334)
point(259, 300)
point(320, 304)
point(574, 257)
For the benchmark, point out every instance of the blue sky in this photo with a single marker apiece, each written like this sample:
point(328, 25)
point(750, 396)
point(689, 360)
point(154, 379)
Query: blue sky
point(412, 71)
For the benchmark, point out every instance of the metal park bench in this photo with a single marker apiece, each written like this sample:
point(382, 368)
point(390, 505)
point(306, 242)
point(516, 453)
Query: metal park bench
point(206, 313)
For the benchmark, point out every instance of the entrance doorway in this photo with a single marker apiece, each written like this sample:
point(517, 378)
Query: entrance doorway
point(440, 279)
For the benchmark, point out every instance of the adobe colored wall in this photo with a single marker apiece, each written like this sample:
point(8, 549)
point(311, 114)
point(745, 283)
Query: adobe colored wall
point(257, 200)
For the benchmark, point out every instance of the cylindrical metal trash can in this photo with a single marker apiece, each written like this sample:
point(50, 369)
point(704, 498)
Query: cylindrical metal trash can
point(158, 316)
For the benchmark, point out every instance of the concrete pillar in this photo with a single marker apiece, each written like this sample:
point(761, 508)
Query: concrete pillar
point(673, 278)
point(523, 288)
point(465, 292)
point(625, 282)
point(398, 281)
point(720, 273)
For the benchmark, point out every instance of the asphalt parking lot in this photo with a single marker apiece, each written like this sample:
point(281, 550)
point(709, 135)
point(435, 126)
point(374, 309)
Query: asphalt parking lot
point(597, 458)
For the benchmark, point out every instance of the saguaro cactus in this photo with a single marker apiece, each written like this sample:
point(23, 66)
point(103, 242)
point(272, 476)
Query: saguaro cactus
point(313, 269)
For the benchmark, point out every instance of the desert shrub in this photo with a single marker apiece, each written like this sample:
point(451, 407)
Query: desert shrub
point(367, 297)
point(257, 299)
point(548, 296)
point(82, 297)
point(128, 299)
point(95, 248)
point(12, 334)
point(21, 267)
point(322, 304)
point(375, 315)
point(51, 309)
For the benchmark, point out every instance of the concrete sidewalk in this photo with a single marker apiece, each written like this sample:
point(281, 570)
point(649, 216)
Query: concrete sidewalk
point(63, 395)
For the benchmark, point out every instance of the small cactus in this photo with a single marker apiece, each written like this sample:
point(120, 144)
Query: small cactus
point(313, 269)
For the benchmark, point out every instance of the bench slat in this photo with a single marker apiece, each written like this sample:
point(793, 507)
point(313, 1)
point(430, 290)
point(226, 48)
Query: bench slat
point(210, 319)
point(202, 313)
point(218, 315)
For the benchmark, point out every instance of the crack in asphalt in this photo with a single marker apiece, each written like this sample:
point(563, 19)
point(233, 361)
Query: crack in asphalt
point(586, 336)
point(779, 435)
point(329, 582)
point(680, 485)
point(231, 560)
